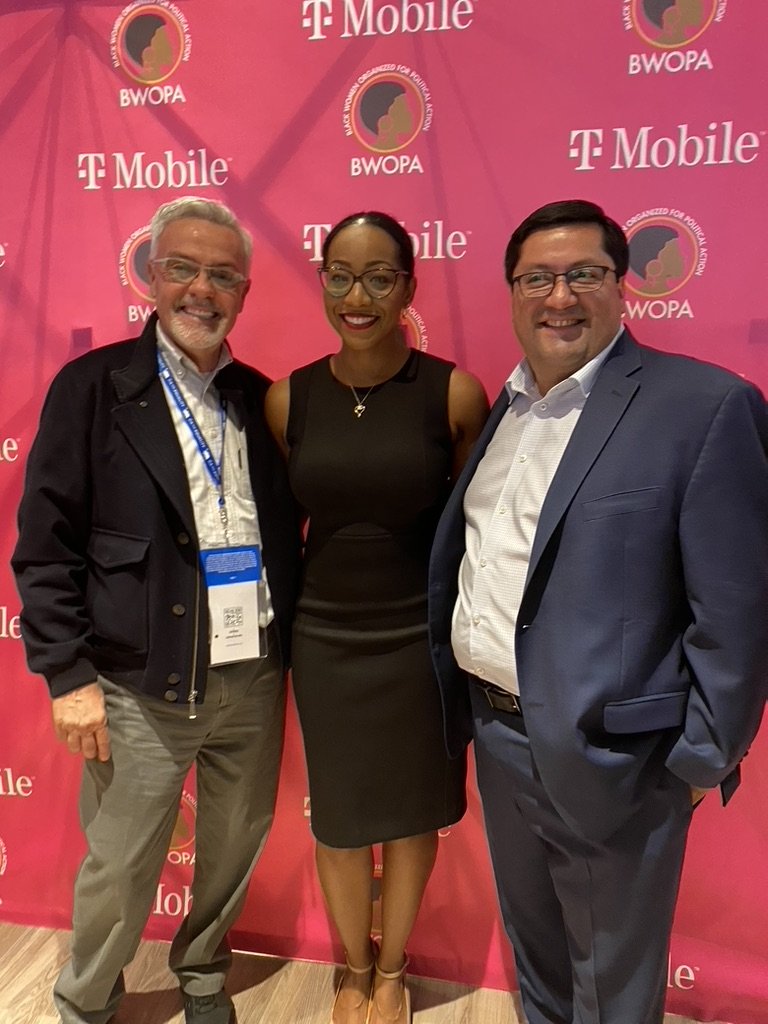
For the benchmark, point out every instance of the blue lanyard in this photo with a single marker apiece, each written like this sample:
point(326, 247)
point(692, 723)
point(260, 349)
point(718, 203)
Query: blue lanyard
point(214, 468)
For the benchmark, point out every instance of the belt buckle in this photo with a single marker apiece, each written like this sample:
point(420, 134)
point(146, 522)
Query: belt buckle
point(488, 695)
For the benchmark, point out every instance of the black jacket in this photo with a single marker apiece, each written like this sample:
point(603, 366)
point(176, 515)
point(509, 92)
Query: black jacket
point(107, 561)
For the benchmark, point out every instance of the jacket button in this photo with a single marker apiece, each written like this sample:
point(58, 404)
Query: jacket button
point(174, 678)
point(143, 403)
point(171, 696)
point(183, 538)
point(525, 626)
point(179, 609)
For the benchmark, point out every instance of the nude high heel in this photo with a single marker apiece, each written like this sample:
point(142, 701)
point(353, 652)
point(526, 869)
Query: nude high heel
point(403, 1015)
point(360, 1009)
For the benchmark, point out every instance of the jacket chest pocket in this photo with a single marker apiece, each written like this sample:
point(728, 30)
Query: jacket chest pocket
point(621, 504)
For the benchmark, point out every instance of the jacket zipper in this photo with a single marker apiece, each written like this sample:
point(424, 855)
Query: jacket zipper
point(192, 699)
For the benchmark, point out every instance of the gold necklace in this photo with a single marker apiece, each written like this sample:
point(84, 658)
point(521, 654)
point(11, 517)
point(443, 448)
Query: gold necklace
point(360, 407)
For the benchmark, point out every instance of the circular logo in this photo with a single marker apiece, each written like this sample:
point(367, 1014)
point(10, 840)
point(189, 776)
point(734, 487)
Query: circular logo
point(415, 329)
point(184, 830)
point(134, 263)
point(149, 41)
point(387, 108)
point(665, 250)
point(670, 24)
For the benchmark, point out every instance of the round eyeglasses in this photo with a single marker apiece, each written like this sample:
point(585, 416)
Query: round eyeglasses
point(378, 283)
point(539, 283)
point(180, 271)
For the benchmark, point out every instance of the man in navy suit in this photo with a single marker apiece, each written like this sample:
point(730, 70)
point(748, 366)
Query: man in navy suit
point(598, 588)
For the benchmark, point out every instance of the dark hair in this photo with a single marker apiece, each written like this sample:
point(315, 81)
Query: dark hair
point(654, 10)
point(396, 232)
point(562, 214)
point(376, 101)
point(140, 33)
point(646, 245)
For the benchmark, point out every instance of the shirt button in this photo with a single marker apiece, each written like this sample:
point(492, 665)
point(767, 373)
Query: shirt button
point(174, 678)
point(502, 510)
point(543, 406)
point(522, 458)
point(476, 619)
point(171, 696)
point(483, 563)
point(179, 609)
point(480, 671)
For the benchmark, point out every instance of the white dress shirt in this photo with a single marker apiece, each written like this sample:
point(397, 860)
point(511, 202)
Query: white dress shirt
point(204, 402)
point(501, 507)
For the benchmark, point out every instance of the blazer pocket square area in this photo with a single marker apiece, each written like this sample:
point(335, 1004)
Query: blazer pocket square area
point(622, 503)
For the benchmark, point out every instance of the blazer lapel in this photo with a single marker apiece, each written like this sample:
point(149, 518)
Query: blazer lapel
point(607, 402)
point(142, 415)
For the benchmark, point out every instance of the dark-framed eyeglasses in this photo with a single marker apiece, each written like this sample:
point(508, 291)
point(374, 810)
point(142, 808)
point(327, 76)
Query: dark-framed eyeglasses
point(539, 283)
point(378, 283)
point(181, 271)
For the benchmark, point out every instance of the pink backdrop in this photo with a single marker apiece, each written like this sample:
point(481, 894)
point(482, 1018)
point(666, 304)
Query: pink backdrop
point(106, 110)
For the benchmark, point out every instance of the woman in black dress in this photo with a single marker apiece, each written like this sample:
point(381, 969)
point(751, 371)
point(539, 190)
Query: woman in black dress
point(374, 435)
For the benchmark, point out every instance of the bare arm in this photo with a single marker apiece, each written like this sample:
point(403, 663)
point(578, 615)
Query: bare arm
point(467, 412)
point(276, 405)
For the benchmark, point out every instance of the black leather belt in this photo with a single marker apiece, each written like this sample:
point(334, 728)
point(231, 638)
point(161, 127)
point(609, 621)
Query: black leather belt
point(500, 700)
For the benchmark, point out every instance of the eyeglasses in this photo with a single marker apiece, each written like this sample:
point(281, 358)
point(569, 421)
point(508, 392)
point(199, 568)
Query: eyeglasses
point(378, 283)
point(580, 279)
point(181, 271)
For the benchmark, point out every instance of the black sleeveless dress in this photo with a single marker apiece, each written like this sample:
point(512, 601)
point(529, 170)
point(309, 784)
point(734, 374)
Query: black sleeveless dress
point(368, 702)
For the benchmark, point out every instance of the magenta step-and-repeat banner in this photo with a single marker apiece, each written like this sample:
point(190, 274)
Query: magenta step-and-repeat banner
point(459, 117)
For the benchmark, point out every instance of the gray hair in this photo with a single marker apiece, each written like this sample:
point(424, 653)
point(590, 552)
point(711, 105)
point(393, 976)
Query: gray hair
point(201, 209)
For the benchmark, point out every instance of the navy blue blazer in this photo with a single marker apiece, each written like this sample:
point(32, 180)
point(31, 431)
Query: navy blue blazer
point(642, 637)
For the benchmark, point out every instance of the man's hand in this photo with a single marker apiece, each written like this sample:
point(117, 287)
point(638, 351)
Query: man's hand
point(697, 795)
point(80, 721)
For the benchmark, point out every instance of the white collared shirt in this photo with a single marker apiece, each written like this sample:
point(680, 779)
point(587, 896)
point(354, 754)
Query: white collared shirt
point(502, 506)
point(204, 402)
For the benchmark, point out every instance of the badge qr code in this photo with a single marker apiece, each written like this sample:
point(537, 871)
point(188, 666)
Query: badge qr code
point(233, 617)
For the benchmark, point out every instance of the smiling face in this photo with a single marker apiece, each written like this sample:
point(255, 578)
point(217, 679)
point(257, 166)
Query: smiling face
point(562, 331)
point(360, 321)
point(197, 317)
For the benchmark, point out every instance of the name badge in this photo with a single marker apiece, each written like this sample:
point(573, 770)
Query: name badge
point(235, 595)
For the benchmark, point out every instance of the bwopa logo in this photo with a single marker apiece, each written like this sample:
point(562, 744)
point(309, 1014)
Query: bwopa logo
point(719, 144)
point(134, 274)
point(415, 329)
point(182, 848)
point(385, 111)
point(670, 27)
point(667, 248)
point(136, 171)
point(148, 43)
point(432, 242)
point(349, 18)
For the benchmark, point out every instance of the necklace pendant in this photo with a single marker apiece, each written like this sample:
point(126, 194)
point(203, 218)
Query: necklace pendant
point(359, 409)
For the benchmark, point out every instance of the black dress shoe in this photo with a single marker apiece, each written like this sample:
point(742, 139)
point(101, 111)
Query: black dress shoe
point(215, 1009)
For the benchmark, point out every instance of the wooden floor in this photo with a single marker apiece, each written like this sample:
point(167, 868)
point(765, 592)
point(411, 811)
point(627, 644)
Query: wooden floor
point(265, 990)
